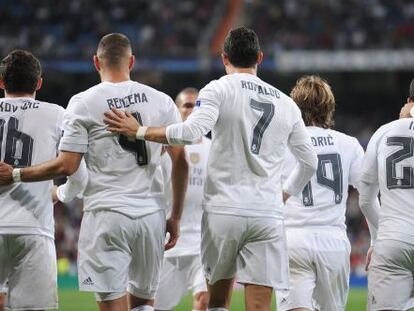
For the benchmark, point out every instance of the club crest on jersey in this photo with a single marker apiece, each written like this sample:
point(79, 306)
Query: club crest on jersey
point(195, 158)
point(198, 103)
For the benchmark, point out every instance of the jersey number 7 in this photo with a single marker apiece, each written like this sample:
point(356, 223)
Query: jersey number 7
point(267, 110)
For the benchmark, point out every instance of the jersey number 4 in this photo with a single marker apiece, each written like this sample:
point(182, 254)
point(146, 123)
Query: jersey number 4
point(333, 162)
point(267, 111)
point(406, 180)
point(19, 145)
point(136, 146)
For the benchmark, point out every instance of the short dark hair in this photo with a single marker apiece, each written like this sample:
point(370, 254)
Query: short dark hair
point(113, 48)
point(20, 72)
point(411, 95)
point(242, 47)
point(315, 99)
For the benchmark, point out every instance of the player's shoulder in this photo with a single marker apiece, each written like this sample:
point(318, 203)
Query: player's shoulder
point(50, 106)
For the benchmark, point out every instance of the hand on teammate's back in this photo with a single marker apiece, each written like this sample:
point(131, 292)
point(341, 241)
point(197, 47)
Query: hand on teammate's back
point(173, 228)
point(405, 110)
point(121, 122)
point(5, 174)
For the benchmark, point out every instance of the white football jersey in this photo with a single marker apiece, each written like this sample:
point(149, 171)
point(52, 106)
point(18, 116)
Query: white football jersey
point(190, 225)
point(252, 123)
point(121, 171)
point(322, 202)
point(389, 162)
point(30, 131)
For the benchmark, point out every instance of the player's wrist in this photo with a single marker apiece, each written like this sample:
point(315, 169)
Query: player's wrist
point(17, 175)
point(140, 134)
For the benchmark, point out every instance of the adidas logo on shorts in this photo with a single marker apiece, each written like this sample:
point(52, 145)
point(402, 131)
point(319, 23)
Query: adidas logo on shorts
point(88, 281)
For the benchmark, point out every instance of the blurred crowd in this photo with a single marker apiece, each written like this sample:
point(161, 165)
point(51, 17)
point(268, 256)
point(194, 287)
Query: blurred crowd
point(332, 24)
point(71, 29)
point(174, 28)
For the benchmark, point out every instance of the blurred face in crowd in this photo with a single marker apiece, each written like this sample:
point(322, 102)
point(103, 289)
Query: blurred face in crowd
point(185, 102)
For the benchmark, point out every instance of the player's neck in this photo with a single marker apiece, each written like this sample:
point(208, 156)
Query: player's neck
point(114, 76)
point(16, 95)
point(232, 69)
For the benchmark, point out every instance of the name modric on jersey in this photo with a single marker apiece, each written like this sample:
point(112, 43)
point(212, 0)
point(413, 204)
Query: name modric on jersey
point(8, 107)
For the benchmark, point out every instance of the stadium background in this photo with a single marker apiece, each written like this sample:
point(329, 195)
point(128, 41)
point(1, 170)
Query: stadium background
point(364, 48)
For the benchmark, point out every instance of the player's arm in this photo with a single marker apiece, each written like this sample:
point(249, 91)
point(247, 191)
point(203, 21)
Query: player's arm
point(64, 165)
point(179, 180)
point(74, 186)
point(199, 123)
point(301, 147)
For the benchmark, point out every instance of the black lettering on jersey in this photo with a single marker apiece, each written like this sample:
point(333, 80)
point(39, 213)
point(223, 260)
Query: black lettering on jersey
point(127, 101)
point(411, 127)
point(259, 89)
point(321, 141)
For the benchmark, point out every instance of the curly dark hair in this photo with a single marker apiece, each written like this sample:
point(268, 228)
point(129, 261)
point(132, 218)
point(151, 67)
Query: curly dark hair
point(315, 99)
point(242, 47)
point(20, 72)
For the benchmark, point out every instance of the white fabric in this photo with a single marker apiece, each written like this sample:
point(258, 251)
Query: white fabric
point(190, 225)
point(318, 270)
point(143, 308)
point(28, 263)
point(178, 275)
point(74, 186)
point(116, 181)
point(389, 164)
point(340, 159)
point(390, 276)
point(252, 123)
point(108, 296)
point(254, 248)
point(116, 250)
point(26, 208)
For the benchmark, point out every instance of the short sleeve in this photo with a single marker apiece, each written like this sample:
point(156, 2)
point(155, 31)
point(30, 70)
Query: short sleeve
point(356, 163)
point(76, 122)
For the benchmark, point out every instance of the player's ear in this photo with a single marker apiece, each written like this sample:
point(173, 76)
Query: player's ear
point(131, 62)
point(96, 63)
point(259, 57)
point(225, 59)
point(2, 86)
point(39, 84)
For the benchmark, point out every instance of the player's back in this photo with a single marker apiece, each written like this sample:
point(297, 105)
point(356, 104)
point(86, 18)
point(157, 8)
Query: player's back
point(322, 203)
point(249, 140)
point(29, 134)
point(121, 172)
point(394, 143)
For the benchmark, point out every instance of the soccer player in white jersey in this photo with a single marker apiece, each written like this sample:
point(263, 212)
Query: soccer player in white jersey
point(30, 131)
point(318, 246)
point(122, 235)
point(182, 265)
point(252, 123)
point(388, 168)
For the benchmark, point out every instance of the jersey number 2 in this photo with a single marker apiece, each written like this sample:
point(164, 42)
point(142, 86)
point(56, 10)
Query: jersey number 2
point(19, 145)
point(406, 180)
point(136, 146)
point(335, 183)
point(267, 110)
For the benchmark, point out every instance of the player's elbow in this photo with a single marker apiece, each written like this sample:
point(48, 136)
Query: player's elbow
point(67, 163)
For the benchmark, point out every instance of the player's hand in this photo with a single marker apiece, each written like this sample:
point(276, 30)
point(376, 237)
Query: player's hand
point(405, 110)
point(121, 122)
point(55, 198)
point(173, 228)
point(5, 174)
point(368, 259)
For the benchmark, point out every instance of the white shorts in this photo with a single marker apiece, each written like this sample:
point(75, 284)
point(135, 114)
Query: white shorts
point(178, 275)
point(254, 248)
point(390, 276)
point(28, 263)
point(118, 253)
point(319, 265)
